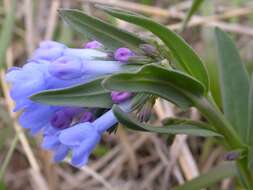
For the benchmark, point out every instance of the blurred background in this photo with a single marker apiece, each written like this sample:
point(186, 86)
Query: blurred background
point(125, 160)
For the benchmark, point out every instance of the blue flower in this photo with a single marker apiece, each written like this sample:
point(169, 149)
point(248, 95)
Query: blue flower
point(65, 129)
point(25, 82)
point(85, 54)
point(51, 50)
point(51, 134)
point(70, 67)
point(51, 142)
point(83, 138)
point(36, 117)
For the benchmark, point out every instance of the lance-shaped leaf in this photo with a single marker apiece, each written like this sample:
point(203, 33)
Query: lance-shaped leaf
point(95, 28)
point(211, 177)
point(183, 53)
point(250, 126)
point(186, 128)
point(234, 81)
point(181, 121)
point(90, 94)
point(171, 85)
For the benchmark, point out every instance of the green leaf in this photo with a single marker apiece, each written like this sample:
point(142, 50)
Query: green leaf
point(234, 81)
point(211, 177)
point(189, 129)
point(250, 127)
point(181, 121)
point(89, 94)
point(171, 85)
point(107, 34)
point(194, 7)
point(184, 54)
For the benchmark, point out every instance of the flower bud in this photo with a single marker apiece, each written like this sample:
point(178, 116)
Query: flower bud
point(149, 49)
point(123, 54)
point(93, 45)
point(119, 97)
point(66, 68)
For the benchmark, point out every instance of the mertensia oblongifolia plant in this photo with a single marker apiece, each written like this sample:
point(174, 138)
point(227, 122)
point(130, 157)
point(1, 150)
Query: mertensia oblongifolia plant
point(73, 96)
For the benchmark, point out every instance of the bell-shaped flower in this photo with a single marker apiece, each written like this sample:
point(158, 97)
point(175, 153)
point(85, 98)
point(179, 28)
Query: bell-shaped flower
point(67, 68)
point(83, 138)
point(36, 117)
point(51, 50)
point(25, 82)
point(54, 65)
point(85, 54)
point(51, 142)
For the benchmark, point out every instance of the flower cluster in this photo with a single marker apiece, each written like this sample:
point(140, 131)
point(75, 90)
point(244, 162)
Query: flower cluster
point(66, 129)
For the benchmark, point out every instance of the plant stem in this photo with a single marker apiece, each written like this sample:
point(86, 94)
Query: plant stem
point(217, 119)
point(245, 174)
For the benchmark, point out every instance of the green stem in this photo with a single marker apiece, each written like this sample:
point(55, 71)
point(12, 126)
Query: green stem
point(245, 174)
point(216, 118)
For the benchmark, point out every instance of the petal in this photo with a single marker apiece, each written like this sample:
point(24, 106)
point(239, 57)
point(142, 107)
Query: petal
point(36, 115)
point(101, 67)
point(85, 54)
point(66, 68)
point(73, 136)
point(35, 129)
point(60, 153)
point(105, 121)
point(81, 153)
point(49, 50)
point(81, 161)
point(49, 130)
point(50, 142)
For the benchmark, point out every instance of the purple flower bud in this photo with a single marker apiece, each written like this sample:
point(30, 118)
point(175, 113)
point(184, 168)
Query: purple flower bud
point(66, 68)
point(119, 97)
point(61, 120)
point(123, 54)
point(49, 50)
point(87, 117)
point(93, 45)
